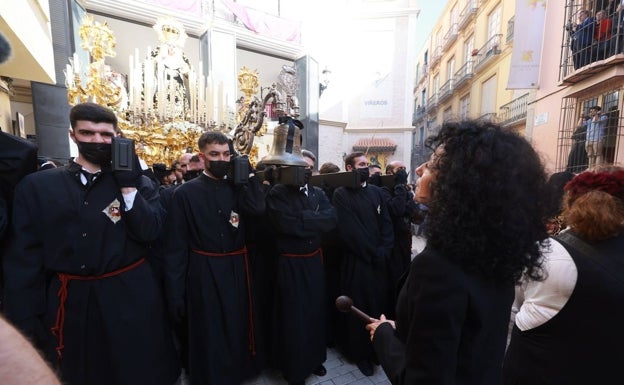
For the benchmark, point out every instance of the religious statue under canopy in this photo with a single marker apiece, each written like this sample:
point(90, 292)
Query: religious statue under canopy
point(171, 68)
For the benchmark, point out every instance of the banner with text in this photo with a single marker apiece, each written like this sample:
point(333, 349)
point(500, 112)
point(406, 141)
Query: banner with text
point(527, 44)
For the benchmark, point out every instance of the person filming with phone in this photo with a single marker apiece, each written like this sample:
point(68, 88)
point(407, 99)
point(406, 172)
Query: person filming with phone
point(78, 283)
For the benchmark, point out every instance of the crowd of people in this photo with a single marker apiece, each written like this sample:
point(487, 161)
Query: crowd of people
point(209, 273)
point(596, 37)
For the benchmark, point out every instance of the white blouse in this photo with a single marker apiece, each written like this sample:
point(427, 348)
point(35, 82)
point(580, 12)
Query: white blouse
point(537, 302)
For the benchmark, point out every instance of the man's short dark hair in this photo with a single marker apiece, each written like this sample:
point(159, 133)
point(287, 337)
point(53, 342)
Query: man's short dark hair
point(389, 168)
point(597, 108)
point(92, 112)
point(350, 159)
point(328, 167)
point(210, 137)
point(194, 159)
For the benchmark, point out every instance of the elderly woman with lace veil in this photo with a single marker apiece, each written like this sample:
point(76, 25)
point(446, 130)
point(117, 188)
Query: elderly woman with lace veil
point(569, 327)
point(483, 233)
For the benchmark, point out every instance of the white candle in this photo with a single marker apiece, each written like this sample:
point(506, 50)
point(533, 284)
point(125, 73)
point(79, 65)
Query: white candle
point(130, 81)
point(220, 103)
point(69, 76)
point(76, 63)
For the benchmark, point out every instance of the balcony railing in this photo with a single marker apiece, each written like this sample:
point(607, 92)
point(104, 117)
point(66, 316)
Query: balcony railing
point(510, 30)
point(423, 74)
point(432, 127)
point(467, 14)
point(489, 50)
point(446, 90)
point(580, 62)
point(514, 111)
point(463, 74)
point(436, 56)
point(450, 36)
point(432, 103)
point(418, 116)
point(489, 117)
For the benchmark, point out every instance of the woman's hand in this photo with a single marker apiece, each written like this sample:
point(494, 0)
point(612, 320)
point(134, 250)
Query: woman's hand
point(372, 327)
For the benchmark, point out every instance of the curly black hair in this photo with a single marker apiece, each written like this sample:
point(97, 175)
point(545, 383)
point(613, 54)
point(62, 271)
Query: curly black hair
point(486, 212)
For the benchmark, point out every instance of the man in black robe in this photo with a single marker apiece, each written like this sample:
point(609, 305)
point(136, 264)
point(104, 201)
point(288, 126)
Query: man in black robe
point(402, 209)
point(300, 215)
point(18, 158)
point(207, 269)
point(77, 279)
point(366, 229)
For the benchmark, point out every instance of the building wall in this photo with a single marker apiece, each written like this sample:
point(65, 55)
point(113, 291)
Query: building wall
point(560, 99)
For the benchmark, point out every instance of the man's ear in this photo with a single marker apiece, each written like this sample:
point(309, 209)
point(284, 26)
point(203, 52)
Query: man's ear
point(72, 135)
point(348, 167)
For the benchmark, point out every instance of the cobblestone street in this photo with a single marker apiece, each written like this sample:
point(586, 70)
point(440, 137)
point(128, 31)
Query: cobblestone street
point(339, 370)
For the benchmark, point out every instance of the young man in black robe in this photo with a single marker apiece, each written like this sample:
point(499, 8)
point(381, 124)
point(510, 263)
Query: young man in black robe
point(402, 209)
point(207, 266)
point(366, 229)
point(18, 158)
point(300, 215)
point(77, 266)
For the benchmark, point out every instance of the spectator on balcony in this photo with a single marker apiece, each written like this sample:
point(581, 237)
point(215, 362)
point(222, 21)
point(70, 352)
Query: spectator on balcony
point(594, 142)
point(577, 159)
point(602, 35)
point(582, 38)
point(619, 26)
point(608, 5)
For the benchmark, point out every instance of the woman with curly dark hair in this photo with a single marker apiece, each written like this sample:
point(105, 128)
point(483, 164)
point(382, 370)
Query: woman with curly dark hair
point(485, 226)
point(568, 329)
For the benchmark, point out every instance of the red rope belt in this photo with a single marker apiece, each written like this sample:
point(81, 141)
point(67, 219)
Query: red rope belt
point(62, 293)
point(308, 255)
point(243, 251)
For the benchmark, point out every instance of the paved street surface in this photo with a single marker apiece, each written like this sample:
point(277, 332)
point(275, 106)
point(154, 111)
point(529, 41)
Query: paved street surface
point(339, 370)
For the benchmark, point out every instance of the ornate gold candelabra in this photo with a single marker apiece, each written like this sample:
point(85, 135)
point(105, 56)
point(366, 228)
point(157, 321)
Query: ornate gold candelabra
point(99, 87)
point(155, 115)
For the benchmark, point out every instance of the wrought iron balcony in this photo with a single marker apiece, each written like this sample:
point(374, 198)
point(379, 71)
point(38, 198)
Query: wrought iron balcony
point(446, 90)
point(487, 52)
point(467, 14)
point(450, 36)
point(432, 103)
point(418, 116)
point(436, 56)
point(514, 111)
point(424, 72)
point(432, 127)
point(463, 74)
point(489, 117)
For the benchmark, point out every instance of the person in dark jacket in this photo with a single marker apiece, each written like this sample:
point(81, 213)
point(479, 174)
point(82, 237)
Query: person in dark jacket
point(577, 158)
point(207, 273)
point(78, 282)
point(366, 230)
point(568, 327)
point(483, 233)
point(300, 216)
point(582, 38)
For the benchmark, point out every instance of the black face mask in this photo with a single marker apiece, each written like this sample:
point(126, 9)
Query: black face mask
point(96, 153)
point(219, 168)
point(375, 179)
point(363, 173)
point(190, 175)
point(306, 175)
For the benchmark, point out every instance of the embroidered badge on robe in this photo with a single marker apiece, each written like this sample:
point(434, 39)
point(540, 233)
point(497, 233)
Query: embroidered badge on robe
point(234, 219)
point(378, 210)
point(113, 211)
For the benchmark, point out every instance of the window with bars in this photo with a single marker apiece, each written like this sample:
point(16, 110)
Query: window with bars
point(571, 155)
